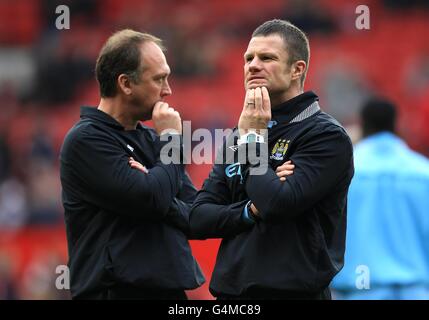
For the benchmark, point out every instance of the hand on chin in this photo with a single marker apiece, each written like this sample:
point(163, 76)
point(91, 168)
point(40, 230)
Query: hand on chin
point(255, 84)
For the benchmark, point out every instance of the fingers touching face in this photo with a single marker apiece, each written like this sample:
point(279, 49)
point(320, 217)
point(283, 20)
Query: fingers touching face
point(258, 98)
point(250, 99)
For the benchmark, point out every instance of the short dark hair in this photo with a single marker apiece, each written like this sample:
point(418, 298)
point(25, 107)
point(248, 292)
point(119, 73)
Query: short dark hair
point(295, 40)
point(377, 115)
point(121, 55)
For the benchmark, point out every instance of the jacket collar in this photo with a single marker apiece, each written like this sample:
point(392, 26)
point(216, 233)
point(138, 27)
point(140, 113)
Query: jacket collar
point(286, 111)
point(93, 113)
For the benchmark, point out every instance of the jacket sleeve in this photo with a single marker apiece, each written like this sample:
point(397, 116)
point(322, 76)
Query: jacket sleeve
point(178, 213)
point(213, 215)
point(98, 167)
point(187, 192)
point(321, 161)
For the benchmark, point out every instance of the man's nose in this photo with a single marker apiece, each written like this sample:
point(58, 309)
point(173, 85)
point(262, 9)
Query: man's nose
point(255, 65)
point(166, 90)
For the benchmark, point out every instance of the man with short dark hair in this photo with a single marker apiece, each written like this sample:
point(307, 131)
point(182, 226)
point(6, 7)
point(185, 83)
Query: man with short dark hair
point(293, 244)
point(388, 235)
point(126, 228)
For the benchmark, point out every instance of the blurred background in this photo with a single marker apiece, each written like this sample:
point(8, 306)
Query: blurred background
point(46, 74)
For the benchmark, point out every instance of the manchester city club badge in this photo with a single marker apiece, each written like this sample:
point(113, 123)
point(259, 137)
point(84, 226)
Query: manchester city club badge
point(279, 150)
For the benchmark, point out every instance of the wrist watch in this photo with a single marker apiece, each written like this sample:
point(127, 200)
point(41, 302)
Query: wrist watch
point(250, 211)
point(251, 137)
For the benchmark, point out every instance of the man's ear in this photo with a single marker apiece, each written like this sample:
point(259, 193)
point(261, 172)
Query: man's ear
point(299, 68)
point(124, 84)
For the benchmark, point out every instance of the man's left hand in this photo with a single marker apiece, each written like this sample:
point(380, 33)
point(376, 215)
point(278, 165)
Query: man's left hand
point(137, 165)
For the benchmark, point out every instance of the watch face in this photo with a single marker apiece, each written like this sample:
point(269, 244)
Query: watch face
point(251, 137)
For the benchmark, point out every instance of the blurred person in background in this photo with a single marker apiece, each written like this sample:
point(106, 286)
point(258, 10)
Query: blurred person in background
point(293, 244)
point(43, 185)
point(13, 204)
point(5, 156)
point(126, 212)
point(387, 254)
point(8, 291)
point(37, 281)
point(311, 16)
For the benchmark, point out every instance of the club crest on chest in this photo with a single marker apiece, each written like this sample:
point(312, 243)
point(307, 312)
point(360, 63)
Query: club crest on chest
point(279, 150)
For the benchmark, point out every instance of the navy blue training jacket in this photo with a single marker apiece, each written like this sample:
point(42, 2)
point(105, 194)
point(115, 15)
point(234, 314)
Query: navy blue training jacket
point(124, 227)
point(298, 243)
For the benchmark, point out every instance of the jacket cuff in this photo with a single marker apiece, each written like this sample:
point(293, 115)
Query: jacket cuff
point(246, 216)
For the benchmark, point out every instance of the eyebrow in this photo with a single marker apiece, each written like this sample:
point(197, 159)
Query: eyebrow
point(162, 75)
point(263, 53)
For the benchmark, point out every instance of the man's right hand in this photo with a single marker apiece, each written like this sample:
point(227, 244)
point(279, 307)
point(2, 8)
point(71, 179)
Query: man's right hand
point(166, 119)
point(256, 111)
